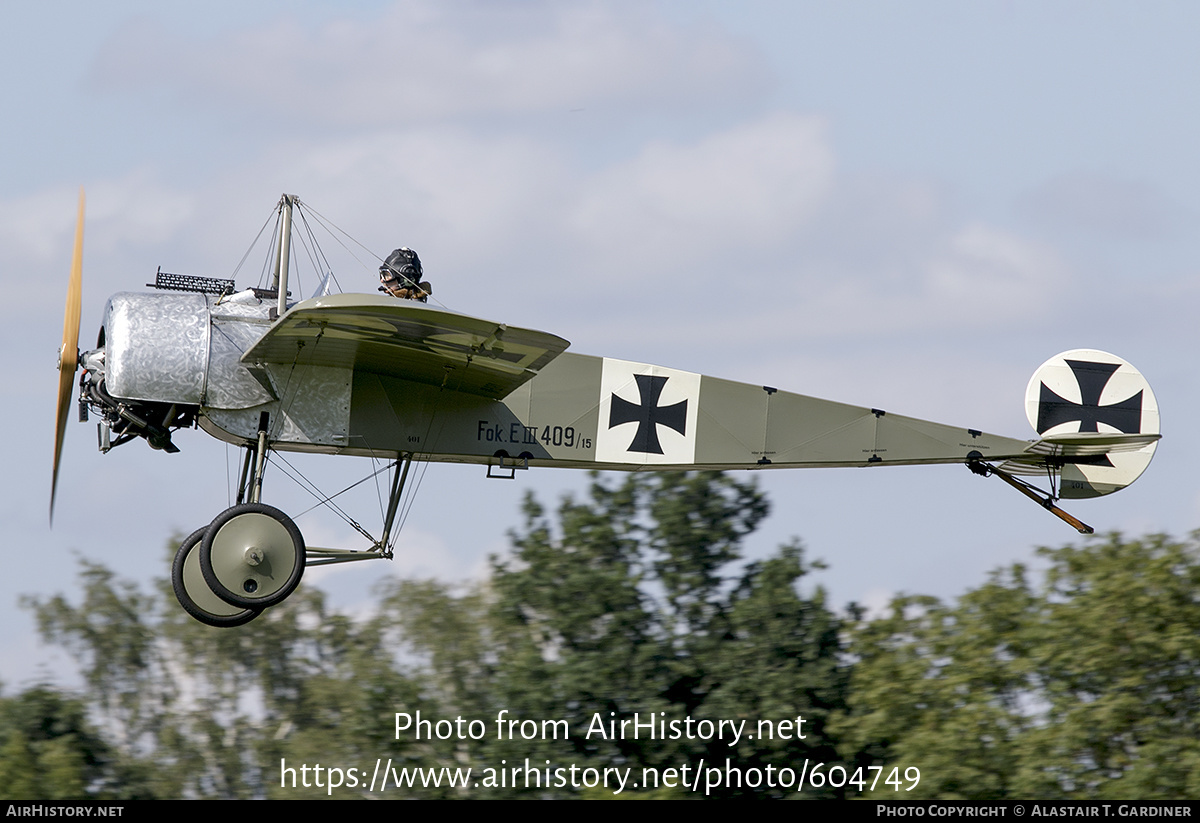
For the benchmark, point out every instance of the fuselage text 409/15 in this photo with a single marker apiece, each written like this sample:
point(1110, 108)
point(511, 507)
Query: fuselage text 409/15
point(518, 434)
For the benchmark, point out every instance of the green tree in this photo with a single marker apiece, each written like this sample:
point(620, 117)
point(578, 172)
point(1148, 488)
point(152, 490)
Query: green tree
point(193, 711)
point(1087, 686)
point(48, 750)
point(629, 604)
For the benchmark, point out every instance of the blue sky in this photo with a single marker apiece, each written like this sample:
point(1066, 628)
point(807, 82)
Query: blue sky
point(906, 206)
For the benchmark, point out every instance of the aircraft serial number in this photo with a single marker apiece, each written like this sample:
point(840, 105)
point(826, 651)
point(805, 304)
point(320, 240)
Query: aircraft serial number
point(517, 433)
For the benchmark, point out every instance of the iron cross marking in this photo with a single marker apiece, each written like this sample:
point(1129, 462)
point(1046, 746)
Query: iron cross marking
point(1125, 416)
point(648, 414)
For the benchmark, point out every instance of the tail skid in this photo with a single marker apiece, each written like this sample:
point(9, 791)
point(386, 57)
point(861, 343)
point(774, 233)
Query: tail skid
point(1046, 501)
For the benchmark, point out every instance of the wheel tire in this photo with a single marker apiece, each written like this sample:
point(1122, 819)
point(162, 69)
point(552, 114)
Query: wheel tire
point(252, 556)
point(195, 596)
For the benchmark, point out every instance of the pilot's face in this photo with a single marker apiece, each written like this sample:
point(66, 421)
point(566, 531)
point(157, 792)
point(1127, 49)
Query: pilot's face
point(390, 282)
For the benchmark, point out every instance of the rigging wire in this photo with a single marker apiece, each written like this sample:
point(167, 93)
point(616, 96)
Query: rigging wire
point(378, 491)
point(308, 243)
point(410, 497)
point(271, 253)
point(303, 482)
point(323, 264)
point(334, 230)
point(253, 243)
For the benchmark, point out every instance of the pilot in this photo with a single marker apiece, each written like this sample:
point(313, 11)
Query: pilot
point(400, 276)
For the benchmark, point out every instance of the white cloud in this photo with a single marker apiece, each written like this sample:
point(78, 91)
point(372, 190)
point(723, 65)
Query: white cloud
point(38, 228)
point(471, 194)
point(986, 272)
point(746, 189)
point(972, 276)
point(37, 234)
point(1101, 206)
point(486, 210)
point(425, 60)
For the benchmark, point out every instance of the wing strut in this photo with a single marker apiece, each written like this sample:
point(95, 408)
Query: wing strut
point(1032, 492)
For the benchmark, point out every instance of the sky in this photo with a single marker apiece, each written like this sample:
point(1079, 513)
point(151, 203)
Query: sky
point(903, 206)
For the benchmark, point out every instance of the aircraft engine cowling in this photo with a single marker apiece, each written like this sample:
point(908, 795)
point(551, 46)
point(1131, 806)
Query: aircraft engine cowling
point(156, 347)
point(147, 376)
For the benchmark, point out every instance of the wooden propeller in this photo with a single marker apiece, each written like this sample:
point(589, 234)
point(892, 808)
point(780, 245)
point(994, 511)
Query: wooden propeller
point(68, 355)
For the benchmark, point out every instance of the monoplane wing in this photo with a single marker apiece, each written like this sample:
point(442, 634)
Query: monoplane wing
point(409, 340)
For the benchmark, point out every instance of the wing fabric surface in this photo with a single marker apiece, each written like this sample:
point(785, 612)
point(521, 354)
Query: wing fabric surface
point(409, 340)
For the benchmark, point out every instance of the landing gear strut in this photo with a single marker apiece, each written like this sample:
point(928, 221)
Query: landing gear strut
point(252, 555)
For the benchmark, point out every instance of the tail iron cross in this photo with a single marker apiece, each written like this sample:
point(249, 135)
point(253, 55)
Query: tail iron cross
point(1091, 378)
point(1098, 420)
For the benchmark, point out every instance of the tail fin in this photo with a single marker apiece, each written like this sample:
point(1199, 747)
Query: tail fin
point(1098, 422)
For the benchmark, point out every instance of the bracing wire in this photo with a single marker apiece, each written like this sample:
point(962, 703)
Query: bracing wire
point(379, 491)
point(303, 482)
point(301, 241)
point(321, 265)
point(410, 497)
point(253, 243)
point(265, 274)
point(334, 230)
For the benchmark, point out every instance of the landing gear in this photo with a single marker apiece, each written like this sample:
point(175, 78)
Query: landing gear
point(193, 593)
point(252, 556)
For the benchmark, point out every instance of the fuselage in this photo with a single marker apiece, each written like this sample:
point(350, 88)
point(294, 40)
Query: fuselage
point(370, 375)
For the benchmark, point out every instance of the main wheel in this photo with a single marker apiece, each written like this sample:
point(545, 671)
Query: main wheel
point(252, 556)
point(194, 594)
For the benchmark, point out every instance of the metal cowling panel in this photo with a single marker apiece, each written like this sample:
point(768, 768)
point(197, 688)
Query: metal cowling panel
point(156, 346)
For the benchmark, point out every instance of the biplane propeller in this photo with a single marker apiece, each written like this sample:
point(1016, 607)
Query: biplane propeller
point(372, 375)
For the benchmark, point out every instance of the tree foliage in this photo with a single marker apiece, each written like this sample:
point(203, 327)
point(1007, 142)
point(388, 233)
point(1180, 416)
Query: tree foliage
point(193, 711)
point(633, 601)
point(1085, 686)
point(48, 750)
point(622, 607)
point(629, 603)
